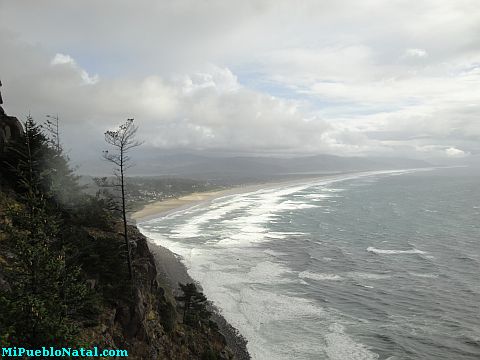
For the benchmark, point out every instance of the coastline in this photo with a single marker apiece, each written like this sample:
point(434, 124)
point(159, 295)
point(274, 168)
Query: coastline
point(161, 208)
point(170, 268)
point(171, 272)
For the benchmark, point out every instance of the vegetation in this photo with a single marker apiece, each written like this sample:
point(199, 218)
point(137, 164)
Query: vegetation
point(46, 290)
point(122, 140)
point(63, 279)
point(195, 312)
point(48, 250)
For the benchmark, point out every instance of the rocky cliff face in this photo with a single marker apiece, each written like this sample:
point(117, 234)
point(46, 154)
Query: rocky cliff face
point(150, 327)
point(11, 129)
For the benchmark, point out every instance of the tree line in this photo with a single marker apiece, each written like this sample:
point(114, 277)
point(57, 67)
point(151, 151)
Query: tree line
point(61, 262)
point(48, 255)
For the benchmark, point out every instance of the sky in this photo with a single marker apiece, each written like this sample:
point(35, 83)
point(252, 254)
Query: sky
point(253, 77)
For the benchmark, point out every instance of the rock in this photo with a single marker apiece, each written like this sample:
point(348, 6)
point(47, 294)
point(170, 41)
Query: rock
point(11, 129)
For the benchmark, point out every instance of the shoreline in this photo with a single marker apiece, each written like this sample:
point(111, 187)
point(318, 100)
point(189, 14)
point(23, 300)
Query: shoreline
point(171, 271)
point(174, 270)
point(161, 208)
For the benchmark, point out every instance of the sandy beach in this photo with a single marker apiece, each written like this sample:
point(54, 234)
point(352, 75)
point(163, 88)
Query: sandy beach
point(163, 207)
point(169, 266)
point(171, 271)
point(158, 208)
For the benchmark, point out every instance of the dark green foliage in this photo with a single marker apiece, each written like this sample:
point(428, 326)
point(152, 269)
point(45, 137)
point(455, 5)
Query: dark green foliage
point(51, 251)
point(92, 212)
point(43, 165)
point(46, 291)
point(209, 354)
point(62, 263)
point(102, 258)
point(167, 316)
point(195, 312)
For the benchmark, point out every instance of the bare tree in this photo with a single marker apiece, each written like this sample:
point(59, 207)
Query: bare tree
point(53, 128)
point(122, 140)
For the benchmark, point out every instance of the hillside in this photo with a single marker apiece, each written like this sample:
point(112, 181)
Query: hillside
point(237, 169)
point(63, 274)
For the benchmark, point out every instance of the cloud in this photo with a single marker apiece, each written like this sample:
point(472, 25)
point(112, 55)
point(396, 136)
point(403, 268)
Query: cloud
point(67, 60)
point(263, 76)
point(205, 110)
point(419, 53)
point(455, 153)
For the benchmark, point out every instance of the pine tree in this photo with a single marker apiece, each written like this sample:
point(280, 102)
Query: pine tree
point(194, 305)
point(122, 140)
point(45, 292)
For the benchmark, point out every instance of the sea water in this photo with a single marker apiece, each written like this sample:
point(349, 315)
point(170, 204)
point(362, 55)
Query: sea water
point(378, 265)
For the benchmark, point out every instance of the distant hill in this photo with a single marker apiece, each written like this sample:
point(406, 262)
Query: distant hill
point(242, 168)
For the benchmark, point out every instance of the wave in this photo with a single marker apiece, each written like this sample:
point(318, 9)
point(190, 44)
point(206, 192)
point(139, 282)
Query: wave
point(422, 275)
point(247, 282)
point(370, 276)
point(318, 276)
point(394, 252)
point(340, 346)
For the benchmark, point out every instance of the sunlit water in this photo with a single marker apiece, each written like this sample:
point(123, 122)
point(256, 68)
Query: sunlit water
point(382, 265)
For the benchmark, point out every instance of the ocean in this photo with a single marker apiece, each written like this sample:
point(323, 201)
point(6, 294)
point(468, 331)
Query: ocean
point(377, 265)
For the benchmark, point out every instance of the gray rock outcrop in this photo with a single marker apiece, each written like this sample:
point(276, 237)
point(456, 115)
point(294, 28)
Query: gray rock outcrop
point(10, 128)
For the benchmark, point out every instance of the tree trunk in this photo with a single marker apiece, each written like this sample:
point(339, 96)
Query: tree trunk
point(124, 214)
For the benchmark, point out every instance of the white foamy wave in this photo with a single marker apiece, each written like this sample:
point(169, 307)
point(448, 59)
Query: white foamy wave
point(319, 276)
point(342, 347)
point(275, 235)
point(318, 197)
point(252, 287)
point(370, 276)
point(333, 190)
point(364, 286)
point(192, 228)
point(296, 205)
point(394, 252)
point(427, 276)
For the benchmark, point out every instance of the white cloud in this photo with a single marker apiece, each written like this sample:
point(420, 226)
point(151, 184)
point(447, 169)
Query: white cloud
point(372, 77)
point(67, 60)
point(62, 59)
point(420, 53)
point(453, 152)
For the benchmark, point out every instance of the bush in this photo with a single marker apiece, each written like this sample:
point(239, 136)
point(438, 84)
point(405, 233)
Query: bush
point(209, 354)
point(168, 316)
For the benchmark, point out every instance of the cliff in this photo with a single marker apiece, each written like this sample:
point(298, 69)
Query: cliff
point(145, 319)
point(151, 327)
point(64, 279)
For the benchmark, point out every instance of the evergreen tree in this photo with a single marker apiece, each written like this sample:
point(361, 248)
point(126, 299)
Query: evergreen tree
point(122, 140)
point(45, 291)
point(194, 305)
